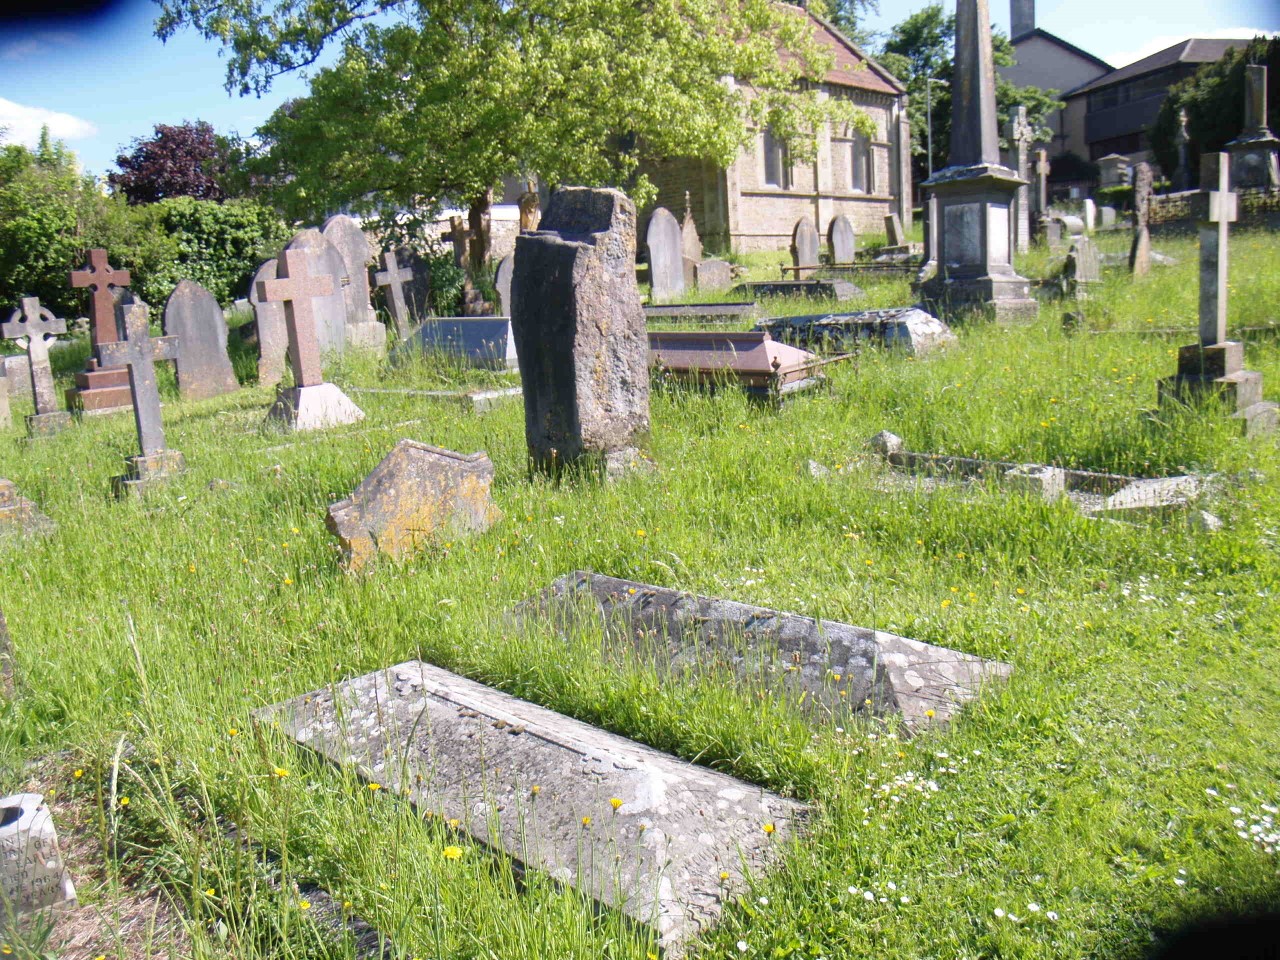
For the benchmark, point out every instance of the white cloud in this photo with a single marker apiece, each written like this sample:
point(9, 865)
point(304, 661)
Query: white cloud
point(24, 124)
point(1156, 44)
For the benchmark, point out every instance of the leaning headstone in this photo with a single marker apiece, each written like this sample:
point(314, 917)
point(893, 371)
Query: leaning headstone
point(804, 248)
point(363, 327)
point(33, 875)
point(155, 463)
point(502, 281)
point(416, 493)
point(393, 278)
point(664, 841)
point(893, 230)
point(273, 335)
point(20, 516)
point(1255, 154)
point(311, 403)
point(841, 239)
point(329, 311)
point(1140, 251)
point(665, 245)
point(580, 333)
point(193, 316)
point(714, 275)
point(37, 326)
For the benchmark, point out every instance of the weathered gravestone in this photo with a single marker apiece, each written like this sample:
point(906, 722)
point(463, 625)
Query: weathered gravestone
point(502, 281)
point(311, 403)
point(1140, 251)
point(1255, 154)
point(1040, 197)
point(1019, 134)
point(33, 876)
point(909, 329)
point(193, 316)
point(393, 278)
point(1214, 367)
point(804, 248)
point(1082, 269)
point(831, 669)
point(416, 493)
point(662, 840)
point(478, 341)
point(155, 463)
point(841, 239)
point(271, 330)
point(99, 389)
point(713, 275)
point(690, 244)
point(580, 333)
point(37, 326)
point(893, 231)
point(20, 516)
point(364, 330)
point(1090, 215)
point(665, 245)
point(330, 310)
point(1107, 215)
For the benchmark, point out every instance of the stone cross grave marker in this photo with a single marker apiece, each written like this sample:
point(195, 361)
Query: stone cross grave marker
point(665, 244)
point(33, 875)
point(1019, 134)
point(273, 337)
point(841, 239)
point(1140, 251)
point(1042, 183)
point(1218, 215)
point(193, 316)
point(393, 277)
point(139, 352)
point(329, 312)
point(804, 248)
point(100, 390)
point(310, 403)
point(35, 323)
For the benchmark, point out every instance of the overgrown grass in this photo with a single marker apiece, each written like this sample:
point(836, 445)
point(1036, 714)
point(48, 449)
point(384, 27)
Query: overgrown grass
point(1102, 783)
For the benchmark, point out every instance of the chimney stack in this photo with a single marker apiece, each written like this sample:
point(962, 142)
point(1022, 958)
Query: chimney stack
point(1022, 17)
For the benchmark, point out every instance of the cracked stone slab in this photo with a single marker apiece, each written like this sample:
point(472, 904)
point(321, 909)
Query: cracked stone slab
point(833, 670)
point(541, 787)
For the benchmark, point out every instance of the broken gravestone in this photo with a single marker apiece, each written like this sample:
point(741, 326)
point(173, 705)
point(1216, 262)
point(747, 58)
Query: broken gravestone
point(910, 329)
point(19, 516)
point(33, 876)
point(662, 840)
point(194, 317)
point(416, 493)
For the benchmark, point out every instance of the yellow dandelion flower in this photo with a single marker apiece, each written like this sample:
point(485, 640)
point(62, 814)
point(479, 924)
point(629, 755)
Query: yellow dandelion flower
point(288, 582)
point(233, 732)
point(535, 789)
point(280, 772)
point(641, 534)
point(946, 603)
point(191, 568)
point(294, 530)
point(346, 904)
point(586, 821)
point(453, 822)
point(769, 828)
point(929, 714)
point(304, 904)
point(724, 874)
point(615, 802)
point(375, 786)
point(211, 892)
point(78, 774)
point(124, 801)
point(1021, 592)
point(452, 853)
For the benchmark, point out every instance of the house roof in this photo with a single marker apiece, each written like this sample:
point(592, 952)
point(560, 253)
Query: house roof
point(1193, 50)
point(1069, 47)
point(851, 67)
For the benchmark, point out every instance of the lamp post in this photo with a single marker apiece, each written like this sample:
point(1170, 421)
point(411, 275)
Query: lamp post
point(928, 114)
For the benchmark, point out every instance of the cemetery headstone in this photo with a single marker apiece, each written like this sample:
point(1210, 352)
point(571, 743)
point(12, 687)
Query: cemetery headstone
point(502, 280)
point(1255, 154)
point(416, 493)
point(664, 243)
point(1020, 133)
point(975, 190)
point(6, 415)
point(99, 389)
point(804, 248)
point(841, 239)
point(1182, 176)
point(20, 516)
point(1082, 269)
point(1090, 215)
point(1215, 365)
point(193, 316)
point(1042, 183)
point(713, 275)
point(155, 463)
point(38, 326)
point(580, 333)
point(329, 311)
point(690, 242)
point(33, 875)
point(662, 840)
point(273, 335)
point(311, 403)
point(1140, 250)
point(393, 278)
point(1113, 170)
point(363, 327)
point(893, 230)
point(479, 341)
point(1107, 217)
point(530, 209)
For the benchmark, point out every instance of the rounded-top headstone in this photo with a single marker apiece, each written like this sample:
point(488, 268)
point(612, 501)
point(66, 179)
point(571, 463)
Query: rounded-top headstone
point(804, 243)
point(194, 317)
point(665, 244)
point(349, 240)
point(324, 260)
point(502, 280)
point(841, 239)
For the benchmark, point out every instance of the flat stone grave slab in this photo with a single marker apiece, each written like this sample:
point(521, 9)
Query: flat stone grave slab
point(701, 312)
point(478, 400)
point(480, 341)
point(832, 671)
point(633, 828)
point(755, 361)
point(910, 329)
point(829, 289)
point(20, 516)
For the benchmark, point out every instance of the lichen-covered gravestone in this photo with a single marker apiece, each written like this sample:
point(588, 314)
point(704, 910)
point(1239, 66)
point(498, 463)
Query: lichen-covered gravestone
point(273, 336)
point(804, 248)
point(33, 876)
point(415, 493)
point(665, 246)
point(37, 326)
point(841, 239)
point(193, 316)
point(580, 333)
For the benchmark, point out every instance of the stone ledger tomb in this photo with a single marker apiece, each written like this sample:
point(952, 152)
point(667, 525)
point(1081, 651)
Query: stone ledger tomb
point(38, 326)
point(910, 329)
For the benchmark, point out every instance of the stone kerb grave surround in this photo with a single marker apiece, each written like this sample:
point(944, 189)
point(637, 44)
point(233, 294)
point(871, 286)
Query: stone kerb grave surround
point(662, 840)
point(193, 316)
point(33, 875)
point(37, 326)
point(415, 493)
point(580, 334)
point(664, 244)
point(831, 671)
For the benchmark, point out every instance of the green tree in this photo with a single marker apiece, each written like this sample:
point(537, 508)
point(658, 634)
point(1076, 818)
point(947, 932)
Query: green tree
point(437, 102)
point(923, 46)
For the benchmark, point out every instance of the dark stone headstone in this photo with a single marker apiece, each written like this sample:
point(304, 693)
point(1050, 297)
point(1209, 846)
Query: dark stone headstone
point(842, 239)
point(269, 325)
point(665, 244)
point(194, 317)
point(580, 332)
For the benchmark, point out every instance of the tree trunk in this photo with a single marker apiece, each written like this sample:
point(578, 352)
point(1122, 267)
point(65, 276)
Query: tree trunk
point(478, 222)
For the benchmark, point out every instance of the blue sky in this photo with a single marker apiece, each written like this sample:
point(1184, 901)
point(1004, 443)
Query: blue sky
point(99, 84)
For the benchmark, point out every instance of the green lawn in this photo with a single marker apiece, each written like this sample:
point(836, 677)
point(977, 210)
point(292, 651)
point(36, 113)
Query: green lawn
point(1107, 790)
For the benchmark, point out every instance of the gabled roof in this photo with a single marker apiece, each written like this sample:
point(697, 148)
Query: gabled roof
point(1193, 50)
point(1069, 47)
point(852, 67)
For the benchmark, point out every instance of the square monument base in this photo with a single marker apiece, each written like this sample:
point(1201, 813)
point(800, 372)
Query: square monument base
point(313, 408)
point(143, 473)
point(1005, 298)
point(43, 425)
point(1218, 372)
point(100, 391)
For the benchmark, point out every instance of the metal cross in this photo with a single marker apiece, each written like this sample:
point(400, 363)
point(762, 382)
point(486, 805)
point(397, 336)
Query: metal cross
point(34, 323)
point(100, 277)
point(1219, 214)
point(394, 277)
point(295, 287)
point(139, 352)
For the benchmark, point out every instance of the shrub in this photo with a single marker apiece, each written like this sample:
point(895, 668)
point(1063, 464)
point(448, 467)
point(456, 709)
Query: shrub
point(1120, 197)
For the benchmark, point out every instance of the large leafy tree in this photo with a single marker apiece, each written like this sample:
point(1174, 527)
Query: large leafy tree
point(183, 160)
point(435, 101)
point(923, 46)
